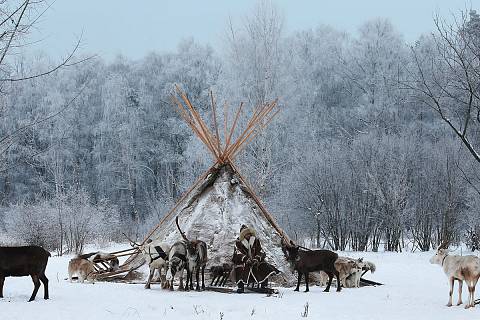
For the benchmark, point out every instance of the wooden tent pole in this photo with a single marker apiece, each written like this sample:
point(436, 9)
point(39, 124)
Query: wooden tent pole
point(235, 152)
point(225, 125)
point(200, 122)
point(232, 129)
point(217, 135)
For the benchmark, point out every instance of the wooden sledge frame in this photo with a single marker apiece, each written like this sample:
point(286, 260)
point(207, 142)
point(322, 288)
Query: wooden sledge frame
point(102, 268)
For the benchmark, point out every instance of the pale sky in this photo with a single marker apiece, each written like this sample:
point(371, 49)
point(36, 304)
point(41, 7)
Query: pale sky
point(135, 28)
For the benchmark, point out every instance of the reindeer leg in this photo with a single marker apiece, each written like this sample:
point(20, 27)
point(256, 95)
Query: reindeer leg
point(339, 284)
point(44, 280)
point(149, 279)
point(181, 287)
point(197, 273)
point(213, 280)
point(473, 292)
point(203, 277)
point(470, 289)
point(460, 284)
point(306, 282)
point(452, 284)
point(36, 284)
point(330, 278)
point(299, 280)
point(189, 278)
point(163, 277)
point(2, 281)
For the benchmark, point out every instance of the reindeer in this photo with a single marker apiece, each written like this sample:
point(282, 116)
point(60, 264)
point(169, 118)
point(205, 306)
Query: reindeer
point(177, 261)
point(156, 255)
point(220, 273)
point(306, 261)
point(196, 259)
point(82, 268)
point(460, 268)
point(347, 267)
point(24, 261)
point(353, 280)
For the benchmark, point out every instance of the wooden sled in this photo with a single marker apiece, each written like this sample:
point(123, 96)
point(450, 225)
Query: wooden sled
point(125, 272)
point(267, 291)
point(366, 283)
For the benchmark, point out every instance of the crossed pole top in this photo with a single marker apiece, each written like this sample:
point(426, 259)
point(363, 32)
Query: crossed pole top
point(224, 150)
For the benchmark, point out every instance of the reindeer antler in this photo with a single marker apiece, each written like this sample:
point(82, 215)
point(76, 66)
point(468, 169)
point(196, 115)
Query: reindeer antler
point(444, 244)
point(132, 243)
point(183, 234)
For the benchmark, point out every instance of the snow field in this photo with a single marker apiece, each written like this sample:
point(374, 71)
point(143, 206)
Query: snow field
point(414, 289)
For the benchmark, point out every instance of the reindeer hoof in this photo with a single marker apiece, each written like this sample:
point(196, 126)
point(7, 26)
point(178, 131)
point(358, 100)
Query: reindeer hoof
point(296, 289)
point(459, 303)
point(449, 304)
point(306, 290)
point(467, 306)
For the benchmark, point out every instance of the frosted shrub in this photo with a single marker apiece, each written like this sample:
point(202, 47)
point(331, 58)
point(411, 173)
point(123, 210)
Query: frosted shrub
point(33, 224)
point(65, 223)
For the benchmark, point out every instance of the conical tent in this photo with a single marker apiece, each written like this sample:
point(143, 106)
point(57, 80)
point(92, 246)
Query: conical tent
point(221, 200)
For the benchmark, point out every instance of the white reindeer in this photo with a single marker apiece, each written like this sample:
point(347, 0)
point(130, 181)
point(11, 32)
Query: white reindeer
point(460, 268)
point(156, 253)
point(353, 280)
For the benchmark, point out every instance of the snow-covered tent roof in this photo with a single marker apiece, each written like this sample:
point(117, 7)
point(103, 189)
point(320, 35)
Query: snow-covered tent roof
point(214, 212)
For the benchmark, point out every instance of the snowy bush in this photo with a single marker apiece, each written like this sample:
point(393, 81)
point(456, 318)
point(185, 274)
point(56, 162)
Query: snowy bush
point(65, 223)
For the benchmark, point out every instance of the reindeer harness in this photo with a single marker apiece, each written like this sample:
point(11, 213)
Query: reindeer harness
point(443, 260)
point(159, 252)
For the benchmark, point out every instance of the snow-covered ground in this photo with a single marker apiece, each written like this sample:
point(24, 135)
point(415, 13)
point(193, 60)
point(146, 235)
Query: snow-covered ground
point(414, 289)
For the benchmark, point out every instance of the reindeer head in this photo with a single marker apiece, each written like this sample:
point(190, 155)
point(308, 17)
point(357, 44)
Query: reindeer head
point(442, 252)
point(290, 250)
point(192, 251)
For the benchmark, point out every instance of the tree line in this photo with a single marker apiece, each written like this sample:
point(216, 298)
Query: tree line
point(375, 147)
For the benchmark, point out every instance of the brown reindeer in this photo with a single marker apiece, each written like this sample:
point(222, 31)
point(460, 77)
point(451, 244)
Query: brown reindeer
point(220, 273)
point(306, 261)
point(196, 259)
point(24, 261)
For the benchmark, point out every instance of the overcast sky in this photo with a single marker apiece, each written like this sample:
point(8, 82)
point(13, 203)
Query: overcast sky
point(135, 28)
